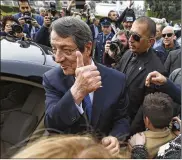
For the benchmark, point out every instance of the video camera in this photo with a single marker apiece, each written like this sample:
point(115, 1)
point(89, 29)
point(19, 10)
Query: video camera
point(27, 17)
point(15, 29)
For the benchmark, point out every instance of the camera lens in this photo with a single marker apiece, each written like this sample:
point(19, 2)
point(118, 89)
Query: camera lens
point(113, 47)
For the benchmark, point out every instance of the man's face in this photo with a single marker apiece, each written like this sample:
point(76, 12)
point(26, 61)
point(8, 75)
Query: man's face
point(123, 40)
point(168, 40)
point(158, 32)
point(144, 42)
point(24, 7)
point(64, 50)
point(127, 25)
point(42, 13)
point(106, 29)
point(113, 16)
point(8, 27)
point(96, 22)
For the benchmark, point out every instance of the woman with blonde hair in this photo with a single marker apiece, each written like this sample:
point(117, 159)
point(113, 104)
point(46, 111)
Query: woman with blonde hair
point(64, 147)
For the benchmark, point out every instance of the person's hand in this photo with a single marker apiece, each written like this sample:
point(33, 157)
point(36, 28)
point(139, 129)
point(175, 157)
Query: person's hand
point(137, 139)
point(19, 35)
point(179, 122)
point(35, 23)
point(21, 21)
point(111, 144)
point(155, 78)
point(88, 79)
point(47, 21)
point(107, 46)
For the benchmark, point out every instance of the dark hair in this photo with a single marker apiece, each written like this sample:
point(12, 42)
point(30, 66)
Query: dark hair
point(75, 28)
point(23, 1)
point(158, 108)
point(8, 18)
point(151, 25)
point(109, 14)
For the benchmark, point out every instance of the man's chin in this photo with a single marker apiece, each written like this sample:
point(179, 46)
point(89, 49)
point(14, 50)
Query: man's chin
point(68, 72)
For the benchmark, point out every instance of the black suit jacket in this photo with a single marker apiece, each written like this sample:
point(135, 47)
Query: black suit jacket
point(173, 61)
point(147, 63)
point(93, 30)
point(110, 102)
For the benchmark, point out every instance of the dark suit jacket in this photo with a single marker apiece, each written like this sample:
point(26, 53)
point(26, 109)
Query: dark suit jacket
point(147, 63)
point(110, 102)
point(93, 30)
point(173, 61)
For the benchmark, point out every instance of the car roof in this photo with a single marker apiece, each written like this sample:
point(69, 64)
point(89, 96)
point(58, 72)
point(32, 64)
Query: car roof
point(31, 62)
point(32, 53)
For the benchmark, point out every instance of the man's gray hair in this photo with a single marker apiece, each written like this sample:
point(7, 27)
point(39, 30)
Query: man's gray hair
point(75, 28)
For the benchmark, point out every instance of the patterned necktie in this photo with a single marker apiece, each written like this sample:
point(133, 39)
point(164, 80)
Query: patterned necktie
point(88, 106)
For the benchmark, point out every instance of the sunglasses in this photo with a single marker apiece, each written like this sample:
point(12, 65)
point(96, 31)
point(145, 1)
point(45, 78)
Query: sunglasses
point(135, 36)
point(105, 26)
point(168, 35)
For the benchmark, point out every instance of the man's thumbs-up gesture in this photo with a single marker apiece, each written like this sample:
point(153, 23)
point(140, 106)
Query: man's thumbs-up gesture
point(88, 79)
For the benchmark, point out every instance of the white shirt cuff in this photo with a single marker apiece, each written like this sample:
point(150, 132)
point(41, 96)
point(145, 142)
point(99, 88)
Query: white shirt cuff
point(80, 109)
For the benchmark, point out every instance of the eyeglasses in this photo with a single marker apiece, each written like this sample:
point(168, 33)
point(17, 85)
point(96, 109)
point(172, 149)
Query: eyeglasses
point(105, 26)
point(67, 52)
point(168, 35)
point(136, 36)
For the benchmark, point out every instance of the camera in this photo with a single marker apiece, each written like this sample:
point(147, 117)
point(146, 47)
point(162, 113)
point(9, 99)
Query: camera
point(116, 46)
point(52, 9)
point(27, 17)
point(15, 29)
point(175, 126)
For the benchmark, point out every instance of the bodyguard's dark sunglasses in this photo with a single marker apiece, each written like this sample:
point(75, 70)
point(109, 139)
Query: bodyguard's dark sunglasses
point(168, 35)
point(135, 36)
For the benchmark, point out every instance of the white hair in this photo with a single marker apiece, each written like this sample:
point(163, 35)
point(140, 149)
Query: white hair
point(41, 9)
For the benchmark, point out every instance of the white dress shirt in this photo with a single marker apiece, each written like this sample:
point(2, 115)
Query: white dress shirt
point(79, 107)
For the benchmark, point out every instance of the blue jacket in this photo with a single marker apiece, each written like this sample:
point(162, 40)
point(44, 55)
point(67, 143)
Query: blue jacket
point(38, 18)
point(100, 45)
point(110, 103)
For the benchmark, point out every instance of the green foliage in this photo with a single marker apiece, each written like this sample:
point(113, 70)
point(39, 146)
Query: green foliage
point(8, 9)
point(169, 9)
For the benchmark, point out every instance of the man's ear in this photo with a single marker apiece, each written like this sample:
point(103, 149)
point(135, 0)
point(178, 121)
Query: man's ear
point(146, 122)
point(152, 41)
point(88, 48)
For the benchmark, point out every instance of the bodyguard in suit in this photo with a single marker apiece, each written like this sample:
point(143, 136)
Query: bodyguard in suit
point(102, 37)
point(82, 95)
point(139, 61)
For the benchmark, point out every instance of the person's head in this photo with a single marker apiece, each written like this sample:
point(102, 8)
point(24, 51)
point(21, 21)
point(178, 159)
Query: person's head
point(42, 11)
point(96, 21)
point(122, 36)
point(159, 28)
point(7, 23)
point(142, 35)
point(64, 147)
point(105, 25)
point(24, 6)
point(168, 36)
point(157, 110)
point(68, 35)
point(128, 20)
point(112, 15)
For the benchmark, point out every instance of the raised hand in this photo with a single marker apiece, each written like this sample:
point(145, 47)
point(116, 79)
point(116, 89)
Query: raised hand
point(88, 79)
point(155, 78)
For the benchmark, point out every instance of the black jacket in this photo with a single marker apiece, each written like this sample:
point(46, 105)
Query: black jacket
point(173, 61)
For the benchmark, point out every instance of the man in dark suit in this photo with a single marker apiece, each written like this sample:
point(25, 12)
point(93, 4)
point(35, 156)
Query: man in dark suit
point(139, 61)
point(173, 61)
point(82, 95)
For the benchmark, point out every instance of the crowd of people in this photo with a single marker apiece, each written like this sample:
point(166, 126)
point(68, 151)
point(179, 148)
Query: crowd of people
point(118, 81)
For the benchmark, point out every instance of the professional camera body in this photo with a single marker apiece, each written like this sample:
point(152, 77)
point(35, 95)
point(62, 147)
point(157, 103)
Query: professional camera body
point(15, 29)
point(27, 17)
point(117, 47)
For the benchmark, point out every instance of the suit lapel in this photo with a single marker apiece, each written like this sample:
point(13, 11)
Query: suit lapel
point(125, 62)
point(98, 99)
point(134, 73)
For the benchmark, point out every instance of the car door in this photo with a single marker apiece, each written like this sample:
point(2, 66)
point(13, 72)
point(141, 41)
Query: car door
point(22, 111)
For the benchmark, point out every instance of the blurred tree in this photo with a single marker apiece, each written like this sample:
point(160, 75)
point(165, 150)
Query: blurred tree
point(169, 9)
